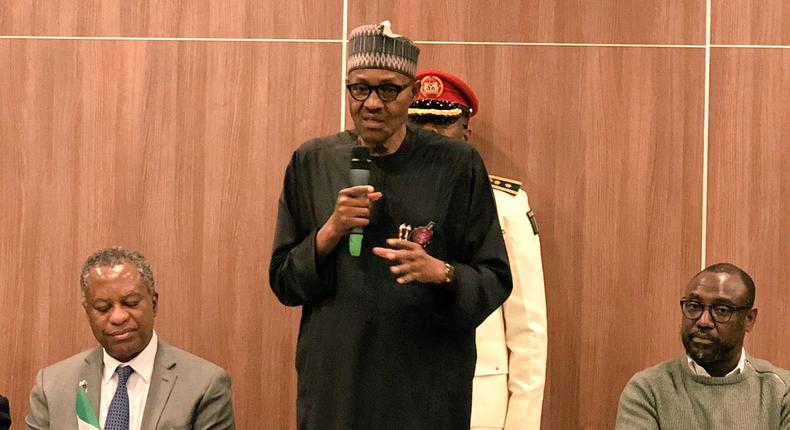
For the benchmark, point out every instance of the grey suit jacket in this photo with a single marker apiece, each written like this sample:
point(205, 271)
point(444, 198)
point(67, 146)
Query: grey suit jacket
point(5, 414)
point(186, 392)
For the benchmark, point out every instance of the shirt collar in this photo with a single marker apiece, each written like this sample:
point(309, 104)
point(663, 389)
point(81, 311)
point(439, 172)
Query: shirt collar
point(700, 371)
point(143, 363)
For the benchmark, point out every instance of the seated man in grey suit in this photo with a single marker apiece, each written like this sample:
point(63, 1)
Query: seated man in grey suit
point(134, 380)
point(5, 414)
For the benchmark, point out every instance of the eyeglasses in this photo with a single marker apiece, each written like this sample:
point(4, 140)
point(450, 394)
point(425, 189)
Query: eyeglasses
point(693, 310)
point(386, 92)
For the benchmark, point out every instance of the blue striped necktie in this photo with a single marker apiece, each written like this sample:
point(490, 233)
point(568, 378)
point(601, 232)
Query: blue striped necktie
point(118, 412)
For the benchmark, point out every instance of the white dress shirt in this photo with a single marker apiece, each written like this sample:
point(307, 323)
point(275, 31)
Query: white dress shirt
point(137, 385)
point(700, 371)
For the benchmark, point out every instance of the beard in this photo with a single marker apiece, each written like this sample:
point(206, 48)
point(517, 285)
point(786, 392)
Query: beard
point(706, 354)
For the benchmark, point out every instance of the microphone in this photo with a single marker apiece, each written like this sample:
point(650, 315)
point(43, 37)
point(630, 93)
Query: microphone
point(360, 175)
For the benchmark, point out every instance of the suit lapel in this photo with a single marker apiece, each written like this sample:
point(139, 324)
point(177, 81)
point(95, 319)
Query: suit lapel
point(91, 373)
point(163, 378)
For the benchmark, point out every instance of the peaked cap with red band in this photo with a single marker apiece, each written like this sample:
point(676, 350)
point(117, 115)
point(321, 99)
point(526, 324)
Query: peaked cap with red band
point(443, 94)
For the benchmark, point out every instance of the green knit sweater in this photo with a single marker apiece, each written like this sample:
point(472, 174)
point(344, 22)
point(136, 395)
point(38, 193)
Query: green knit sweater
point(670, 396)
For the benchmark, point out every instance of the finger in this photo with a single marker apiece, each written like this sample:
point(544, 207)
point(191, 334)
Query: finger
point(403, 268)
point(401, 244)
point(391, 254)
point(357, 190)
point(375, 196)
point(407, 278)
point(357, 222)
point(385, 253)
point(354, 201)
point(354, 212)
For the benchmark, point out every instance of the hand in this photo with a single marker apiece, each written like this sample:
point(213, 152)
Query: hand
point(413, 264)
point(352, 209)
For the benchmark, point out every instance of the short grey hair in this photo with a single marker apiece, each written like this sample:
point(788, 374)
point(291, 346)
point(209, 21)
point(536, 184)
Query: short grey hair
point(113, 256)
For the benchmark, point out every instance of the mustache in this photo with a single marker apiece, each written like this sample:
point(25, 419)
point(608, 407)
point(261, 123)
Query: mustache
point(119, 332)
point(701, 335)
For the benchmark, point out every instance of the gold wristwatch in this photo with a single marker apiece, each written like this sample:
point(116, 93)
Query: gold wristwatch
point(449, 273)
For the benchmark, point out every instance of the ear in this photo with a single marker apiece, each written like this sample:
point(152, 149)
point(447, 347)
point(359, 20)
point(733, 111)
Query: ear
point(84, 299)
point(155, 301)
point(751, 318)
point(467, 133)
point(415, 90)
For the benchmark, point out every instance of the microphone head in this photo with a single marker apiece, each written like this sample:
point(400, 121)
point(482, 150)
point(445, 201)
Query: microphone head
point(360, 158)
point(360, 152)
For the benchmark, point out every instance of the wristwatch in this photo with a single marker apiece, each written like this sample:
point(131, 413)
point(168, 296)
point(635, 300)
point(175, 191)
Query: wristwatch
point(449, 273)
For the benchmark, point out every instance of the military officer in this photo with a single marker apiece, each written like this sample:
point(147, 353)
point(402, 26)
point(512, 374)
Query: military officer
point(511, 343)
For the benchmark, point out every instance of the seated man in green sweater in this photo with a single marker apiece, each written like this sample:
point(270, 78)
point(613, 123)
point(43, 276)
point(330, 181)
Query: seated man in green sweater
point(715, 385)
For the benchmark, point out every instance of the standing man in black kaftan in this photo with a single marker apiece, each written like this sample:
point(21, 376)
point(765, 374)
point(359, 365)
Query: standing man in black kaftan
point(387, 339)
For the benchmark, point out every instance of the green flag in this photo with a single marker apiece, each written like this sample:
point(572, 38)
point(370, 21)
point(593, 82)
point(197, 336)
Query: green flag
point(86, 416)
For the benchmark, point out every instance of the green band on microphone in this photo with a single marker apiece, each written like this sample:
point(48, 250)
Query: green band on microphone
point(355, 244)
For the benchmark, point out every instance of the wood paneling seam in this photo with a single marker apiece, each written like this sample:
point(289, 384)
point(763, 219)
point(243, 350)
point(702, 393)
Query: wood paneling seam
point(343, 67)
point(752, 46)
point(424, 42)
point(705, 134)
point(571, 44)
point(173, 39)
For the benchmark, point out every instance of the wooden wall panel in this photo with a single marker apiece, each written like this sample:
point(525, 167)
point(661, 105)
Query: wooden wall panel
point(174, 148)
point(178, 149)
point(314, 19)
point(746, 22)
point(569, 21)
point(611, 165)
point(749, 199)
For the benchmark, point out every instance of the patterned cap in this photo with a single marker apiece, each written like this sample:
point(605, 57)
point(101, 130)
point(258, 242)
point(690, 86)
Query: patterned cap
point(443, 94)
point(377, 47)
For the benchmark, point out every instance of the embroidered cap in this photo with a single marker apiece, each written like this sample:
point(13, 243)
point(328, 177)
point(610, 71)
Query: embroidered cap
point(375, 46)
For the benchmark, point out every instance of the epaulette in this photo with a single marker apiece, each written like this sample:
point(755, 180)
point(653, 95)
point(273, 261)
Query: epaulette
point(509, 186)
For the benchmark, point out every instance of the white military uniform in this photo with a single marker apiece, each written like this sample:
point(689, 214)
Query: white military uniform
point(512, 342)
